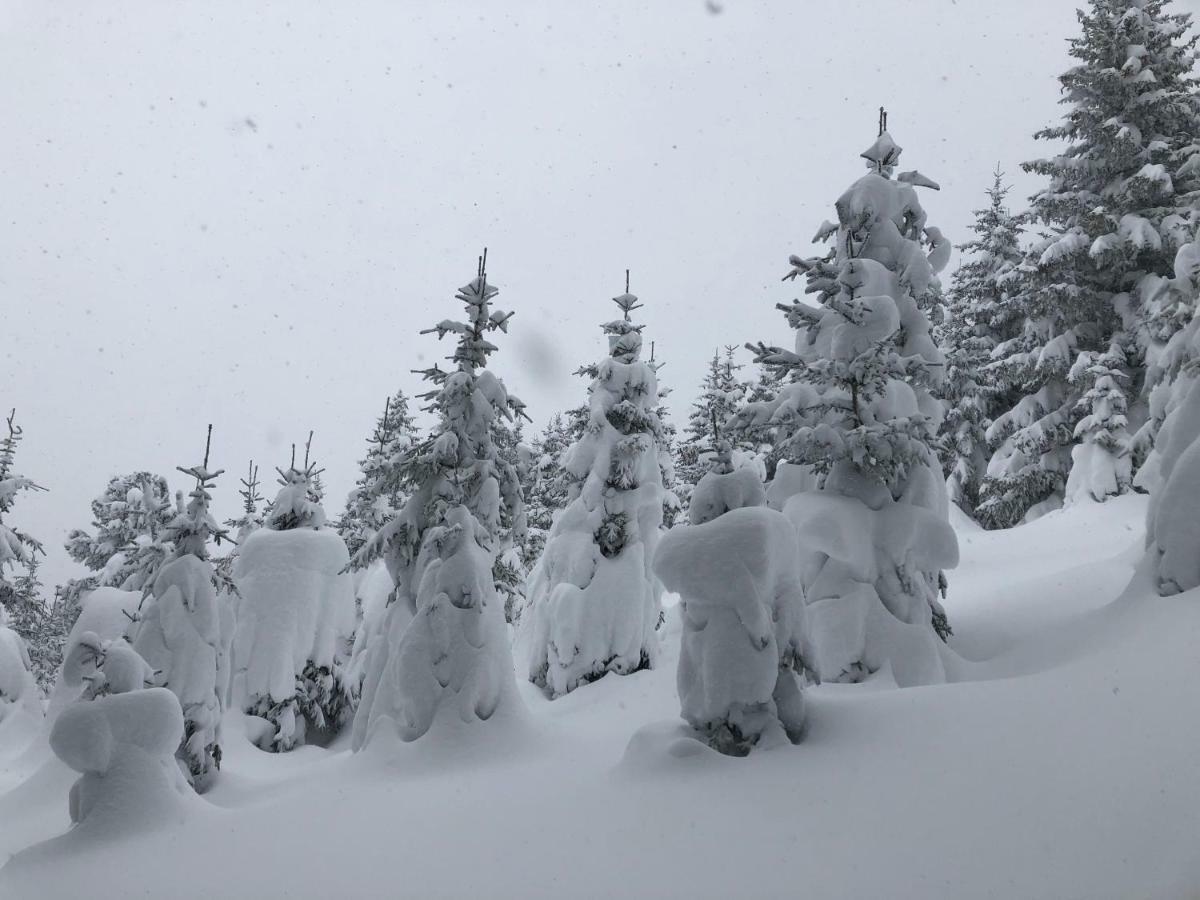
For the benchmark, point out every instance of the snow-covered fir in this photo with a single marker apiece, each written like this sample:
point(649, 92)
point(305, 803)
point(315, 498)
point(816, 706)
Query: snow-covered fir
point(1119, 202)
point(441, 650)
point(379, 491)
point(980, 315)
point(184, 627)
point(295, 619)
point(861, 417)
point(594, 602)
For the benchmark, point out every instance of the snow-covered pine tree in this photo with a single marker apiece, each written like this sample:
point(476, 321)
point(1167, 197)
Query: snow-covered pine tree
point(17, 548)
point(296, 617)
point(861, 414)
point(675, 492)
point(378, 493)
point(511, 567)
point(1119, 203)
point(593, 597)
point(183, 628)
point(547, 492)
point(443, 646)
point(980, 315)
point(129, 521)
point(722, 396)
point(251, 518)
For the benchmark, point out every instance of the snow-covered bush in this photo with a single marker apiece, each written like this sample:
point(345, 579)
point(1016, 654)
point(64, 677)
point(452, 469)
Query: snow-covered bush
point(295, 621)
point(18, 689)
point(593, 597)
point(443, 648)
point(861, 416)
point(744, 640)
point(184, 631)
point(123, 745)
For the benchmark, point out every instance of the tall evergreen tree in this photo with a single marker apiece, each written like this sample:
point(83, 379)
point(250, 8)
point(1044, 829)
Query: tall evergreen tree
point(547, 491)
point(1119, 203)
point(980, 315)
point(443, 643)
point(862, 416)
point(379, 492)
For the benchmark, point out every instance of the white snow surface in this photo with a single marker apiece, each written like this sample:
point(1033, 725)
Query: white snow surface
point(1059, 765)
point(297, 606)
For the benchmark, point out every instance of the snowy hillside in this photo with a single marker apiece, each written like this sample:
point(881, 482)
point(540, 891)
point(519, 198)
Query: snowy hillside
point(1061, 765)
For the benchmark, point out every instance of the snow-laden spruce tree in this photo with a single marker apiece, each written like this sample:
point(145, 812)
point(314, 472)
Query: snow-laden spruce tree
point(184, 627)
point(295, 619)
point(129, 521)
point(674, 491)
point(252, 518)
point(1119, 202)
point(17, 548)
point(593, 597)
point(722, 395)
point(442, 651)
point(861, 416)
point(511, 567)
point(378, 493)
point(980, 315)
point(547, 492)
point(1172, 470)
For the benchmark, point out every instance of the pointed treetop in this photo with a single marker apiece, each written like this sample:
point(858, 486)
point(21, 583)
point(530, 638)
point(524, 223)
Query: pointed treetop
point(627, 302)
point(883, 154)
point(882, 121)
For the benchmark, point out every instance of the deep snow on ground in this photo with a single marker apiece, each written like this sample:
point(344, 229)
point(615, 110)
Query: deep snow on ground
point(1063, 766)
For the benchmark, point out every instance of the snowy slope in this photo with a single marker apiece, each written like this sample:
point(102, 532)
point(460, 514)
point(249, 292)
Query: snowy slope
point(1065, 768)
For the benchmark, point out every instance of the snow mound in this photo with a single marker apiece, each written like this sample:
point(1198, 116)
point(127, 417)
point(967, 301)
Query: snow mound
point(124, 746)
point(719, 492)
point(20, 700)
point(105, 615)
point(744, 637)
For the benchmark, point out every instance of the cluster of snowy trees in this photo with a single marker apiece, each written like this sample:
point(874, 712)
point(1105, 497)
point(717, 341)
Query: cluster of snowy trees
point(802, 516)
point(1055, 346)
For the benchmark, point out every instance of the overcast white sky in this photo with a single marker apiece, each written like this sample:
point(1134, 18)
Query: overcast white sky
point(243, 212)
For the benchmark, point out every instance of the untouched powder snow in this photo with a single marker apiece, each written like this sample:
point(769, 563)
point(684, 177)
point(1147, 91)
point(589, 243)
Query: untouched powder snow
point(1061, 766)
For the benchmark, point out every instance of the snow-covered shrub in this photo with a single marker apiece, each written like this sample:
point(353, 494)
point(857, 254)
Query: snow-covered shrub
point(443, 647)
point(744, 640)
point(18, 689)
point(184, 629)
point(593, 598)
point(860, 417)
point(123, 745)
point(295, 623)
